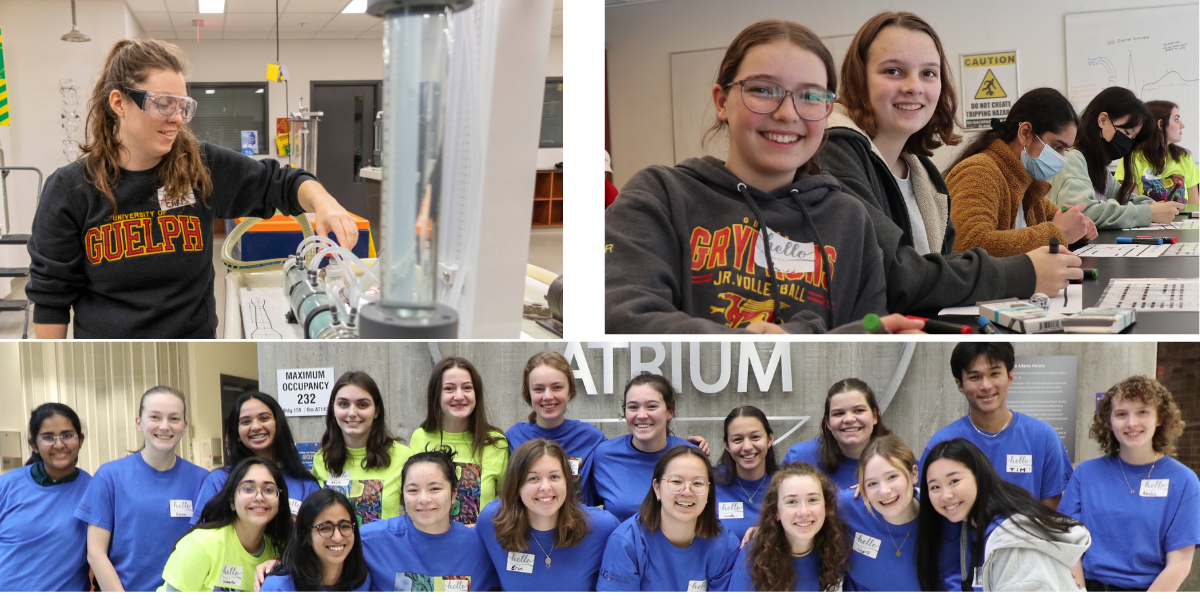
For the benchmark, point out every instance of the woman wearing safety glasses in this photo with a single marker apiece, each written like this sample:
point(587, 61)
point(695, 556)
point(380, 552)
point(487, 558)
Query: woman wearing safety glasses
point(123, 236)
point(1000, 180)
point(684, 244)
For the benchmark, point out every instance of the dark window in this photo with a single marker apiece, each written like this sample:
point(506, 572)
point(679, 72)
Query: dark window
point(225, 110)
point(552, 114)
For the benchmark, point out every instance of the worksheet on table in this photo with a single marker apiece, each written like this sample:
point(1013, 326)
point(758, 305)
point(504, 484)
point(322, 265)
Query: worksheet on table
point(1122, 250)
point(1152, 295)
point(1184, 249)
point(1184, 224)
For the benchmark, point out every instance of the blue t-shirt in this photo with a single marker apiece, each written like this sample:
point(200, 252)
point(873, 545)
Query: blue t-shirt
point(145, 510)
point(809, 452)
point(284, 583)
point(808, 572)
point(297, 489)
point(401, 558)
point(1133, 532)
point(571, 569)
point(948, 559)
point(619, 475)
point(43, 547)
point(579, 439)
point(739, 502)
point(1028, 453)
point(873, 564)
point(636, 559)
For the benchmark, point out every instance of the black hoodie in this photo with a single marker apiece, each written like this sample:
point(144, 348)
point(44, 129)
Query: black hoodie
point(680, 254)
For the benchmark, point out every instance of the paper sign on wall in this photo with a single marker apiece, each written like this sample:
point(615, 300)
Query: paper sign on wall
point(304, 392)
point(989, 87)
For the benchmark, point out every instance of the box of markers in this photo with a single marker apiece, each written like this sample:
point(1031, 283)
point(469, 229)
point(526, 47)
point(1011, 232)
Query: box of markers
point(1021, 316)
point(1100, 320)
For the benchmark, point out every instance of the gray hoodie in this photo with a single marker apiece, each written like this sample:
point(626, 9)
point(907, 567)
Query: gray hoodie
point(917, 282)
point(1016, 560)
point(680, 254)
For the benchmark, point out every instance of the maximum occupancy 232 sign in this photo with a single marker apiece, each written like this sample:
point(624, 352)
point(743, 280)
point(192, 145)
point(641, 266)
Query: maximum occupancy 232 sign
point(304, 392)
point(989, 87)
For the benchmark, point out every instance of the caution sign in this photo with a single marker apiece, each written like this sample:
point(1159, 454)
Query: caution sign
point(989, 83)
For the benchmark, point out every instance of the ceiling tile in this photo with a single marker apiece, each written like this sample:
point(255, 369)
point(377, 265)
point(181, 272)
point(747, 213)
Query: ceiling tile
point(246, 35)
point(183, 22)
point(254, 6)
point(289, 35)
point(153, 21)
point(334, 35)
point(351, 23)
point(371, 34)
point(317, 6)
point(303, 22)
point(249, 22)
point(161, 35)
point(146, 5)
point(183, 6)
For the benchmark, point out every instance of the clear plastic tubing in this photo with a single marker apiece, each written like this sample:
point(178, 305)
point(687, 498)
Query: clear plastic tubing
point(416, 56)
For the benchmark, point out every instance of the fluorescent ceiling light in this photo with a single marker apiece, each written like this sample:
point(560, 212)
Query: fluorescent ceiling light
point(210, 91)
point(355, 6)
point(212, 6)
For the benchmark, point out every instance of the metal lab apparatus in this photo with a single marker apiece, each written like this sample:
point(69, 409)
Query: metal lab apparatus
point(302, 138)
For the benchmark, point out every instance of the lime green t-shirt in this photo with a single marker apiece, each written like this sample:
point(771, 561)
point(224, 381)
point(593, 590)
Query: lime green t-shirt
point(375, 493)
point(213, 560)
point(479, 477)
point(1172, 184)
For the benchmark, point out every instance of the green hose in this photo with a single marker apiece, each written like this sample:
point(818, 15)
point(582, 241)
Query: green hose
point(255, 266)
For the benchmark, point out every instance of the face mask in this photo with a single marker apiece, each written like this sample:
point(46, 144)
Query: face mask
point(1119, 145)
point(1046, 165)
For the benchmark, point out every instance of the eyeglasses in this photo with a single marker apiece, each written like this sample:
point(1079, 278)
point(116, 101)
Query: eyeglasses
point(765, 97)
point(249, 491)
point(50, 438)
point(325, 529)
point(164, 105)
point(676, 485)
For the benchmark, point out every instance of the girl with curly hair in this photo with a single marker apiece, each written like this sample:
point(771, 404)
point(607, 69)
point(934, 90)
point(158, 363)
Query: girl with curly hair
point(1141, 505)
point(800, 544)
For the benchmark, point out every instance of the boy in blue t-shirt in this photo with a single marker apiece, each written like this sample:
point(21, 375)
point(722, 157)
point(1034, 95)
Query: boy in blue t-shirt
point(1024, 450)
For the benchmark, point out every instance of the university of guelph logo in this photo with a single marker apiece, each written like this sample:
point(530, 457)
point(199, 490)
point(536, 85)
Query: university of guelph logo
point(742, 310)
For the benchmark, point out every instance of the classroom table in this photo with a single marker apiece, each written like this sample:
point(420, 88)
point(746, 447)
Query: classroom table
point(1152, 323)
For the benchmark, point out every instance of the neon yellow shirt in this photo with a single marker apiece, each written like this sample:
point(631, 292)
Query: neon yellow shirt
point(479, 477)
point(375, 493)
point(213, 560)
point(1172, 184)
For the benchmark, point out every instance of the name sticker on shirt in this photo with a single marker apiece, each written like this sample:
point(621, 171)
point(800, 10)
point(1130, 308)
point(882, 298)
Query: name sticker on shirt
point(1020, 463)
point(231, 576)
point(457, 585)
point(520, 562)
point(730, 510)
point(181, 508)
point(866, 545)
point(1155, 488)
point(698, 586)
point(788, 256)
point(294, 504)
point(575, 462)
point(168, 204)
point(337, 482)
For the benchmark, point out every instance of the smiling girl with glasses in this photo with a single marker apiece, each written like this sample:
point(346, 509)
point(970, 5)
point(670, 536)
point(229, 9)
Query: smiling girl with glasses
point(325, 553)
point(42, 546)
point(751, 242)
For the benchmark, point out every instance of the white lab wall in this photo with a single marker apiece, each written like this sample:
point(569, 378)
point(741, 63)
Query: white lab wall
point(640, 39)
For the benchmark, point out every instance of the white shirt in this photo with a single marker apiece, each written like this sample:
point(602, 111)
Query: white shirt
point(920, 238)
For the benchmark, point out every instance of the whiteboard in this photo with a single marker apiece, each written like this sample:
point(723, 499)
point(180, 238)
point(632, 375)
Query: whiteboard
point(1151, 51)
point(693, 74)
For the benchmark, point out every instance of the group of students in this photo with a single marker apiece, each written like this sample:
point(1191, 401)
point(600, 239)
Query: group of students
point(991, 505)
point(844, 179)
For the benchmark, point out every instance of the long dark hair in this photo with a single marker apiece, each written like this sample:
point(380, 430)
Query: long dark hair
point(379, 439)
point(1119, 103)
point(1045, 109)
point(512, 520)
point(650, 517)
point(994, 498)
point(300, 560)
point(219, 511)
point(770, 556)
point(40, 414)
point(1156, 148)
point(727, 470)
point(287, 457)
point(830, 454)
point(482, 432)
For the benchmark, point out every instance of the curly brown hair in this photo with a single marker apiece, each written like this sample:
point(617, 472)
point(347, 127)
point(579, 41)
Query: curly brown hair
point(512, 519)
point(857, 99)
point(770, 557)
point(128, 65)
point(1152, 394)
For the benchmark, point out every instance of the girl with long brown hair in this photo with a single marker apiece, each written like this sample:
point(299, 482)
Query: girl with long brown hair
point(799, 545)
point(123, 236)
point(540, 537)
point(852, 418)
point(896, 106)
point(358, 455)
point(1160, 167)
point(456, 417)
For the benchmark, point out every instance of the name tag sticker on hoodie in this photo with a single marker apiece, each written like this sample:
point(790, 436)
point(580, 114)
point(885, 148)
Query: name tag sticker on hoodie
point(1155, 488)
point(1020, 463)
point(167, 204)
point(788, 256)
point(866, 545)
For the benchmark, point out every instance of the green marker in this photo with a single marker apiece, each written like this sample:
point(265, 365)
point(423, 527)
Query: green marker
point(873, 324)
point(1066, 208)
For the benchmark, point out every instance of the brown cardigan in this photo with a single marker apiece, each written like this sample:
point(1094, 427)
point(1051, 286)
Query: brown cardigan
point(988, 189)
